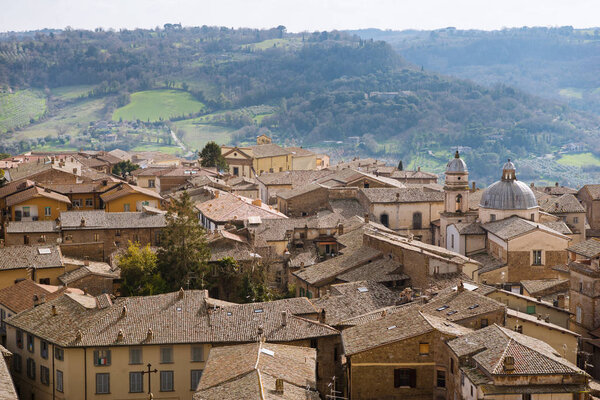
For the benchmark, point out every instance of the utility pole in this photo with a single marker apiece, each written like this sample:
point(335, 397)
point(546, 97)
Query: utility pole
point(150, 372)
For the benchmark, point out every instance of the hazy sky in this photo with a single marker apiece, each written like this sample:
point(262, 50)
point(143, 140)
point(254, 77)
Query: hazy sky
point(298, 15)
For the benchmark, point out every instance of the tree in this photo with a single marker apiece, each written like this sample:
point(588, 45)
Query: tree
point(400, 166)
point(183, 253)
point(139, 272)
point(211, 156)
point(124, 167)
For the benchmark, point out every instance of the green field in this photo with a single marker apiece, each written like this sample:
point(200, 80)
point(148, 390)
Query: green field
point(270, 43)
point(579, 160)
point(198, 134)
point(157, 147)
point(71, 92)
point(19, 108)
point(153, 105)
point(71, 120)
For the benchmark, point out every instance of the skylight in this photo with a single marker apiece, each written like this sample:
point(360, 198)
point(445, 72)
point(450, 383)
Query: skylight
point(363, 289)
point(268, 352)
point(451, 312)
point(229, 314)
point(442, 308)
point(258, 310)
point(474, 306)
point(44, 250)
point(391, 327)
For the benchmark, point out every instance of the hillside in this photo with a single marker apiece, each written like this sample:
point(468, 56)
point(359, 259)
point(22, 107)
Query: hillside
point(331, 91)
point(556, 63)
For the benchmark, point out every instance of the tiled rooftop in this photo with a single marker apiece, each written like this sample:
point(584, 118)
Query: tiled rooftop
point(16, 257)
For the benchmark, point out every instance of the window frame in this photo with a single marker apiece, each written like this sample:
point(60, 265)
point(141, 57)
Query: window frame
point(89, 202)
point(31, 368)
point(59, 381)
point(30, 343)
point(193, 350)
point(126, 207)
point(537, 257)
point(132, 350)
point(45, 375)
point(422, 346)
point(47, 211)
point(103, 375)
point(17, 363)
point(44, 349)
point(163, 384)
point(76, 203)
point(405, 375)
point(192, 372)
point(19, 338)
point(98, 353)
point(59, 353)
point(140, 383)
point(162, 358)
point(440, 376)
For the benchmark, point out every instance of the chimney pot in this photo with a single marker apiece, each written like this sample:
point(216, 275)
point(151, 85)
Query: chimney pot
point(149, 334)
point(181, 293)
point(367, 218)
point(509, 363)
point(279, 386)
point(54, 312)
point(284, 318)
point(82, 221)
point(120, 335)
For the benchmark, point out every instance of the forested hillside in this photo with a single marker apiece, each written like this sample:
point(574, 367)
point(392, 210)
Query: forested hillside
point(129, 89)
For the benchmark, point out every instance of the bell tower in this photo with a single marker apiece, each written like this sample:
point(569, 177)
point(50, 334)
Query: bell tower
point(456, 188)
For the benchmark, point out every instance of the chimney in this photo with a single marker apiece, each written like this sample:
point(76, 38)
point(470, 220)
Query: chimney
point(46, 190)
point(260, 330)
point(120, 335)
point(556, 184)
point(532, 185)
point(149, 334)
point(74, 170)
point(279, 386)
point(105, 182)
point(418, 169)
point(181, 293)
point(538, 298)
point(36, 300)
point(547, 318)
point(460, 288)
point(86, 262)
point(561, 300)
point(539, 317)
point(54, 312)
point(82, 222)
point(283, 318)
point(216, 194)
point(340, 229)
point(124, 312)
point(322, 316)
point(257, 202)
point(397, 196)
point(509, 364)
point(78, 335)
point(367, 218)
point(473, 186)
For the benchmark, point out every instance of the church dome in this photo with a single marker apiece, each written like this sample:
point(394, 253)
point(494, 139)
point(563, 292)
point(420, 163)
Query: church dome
point(457, 164)
point(508, 193)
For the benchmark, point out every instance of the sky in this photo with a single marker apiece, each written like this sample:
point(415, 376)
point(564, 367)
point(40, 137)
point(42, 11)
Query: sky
point(304, 15)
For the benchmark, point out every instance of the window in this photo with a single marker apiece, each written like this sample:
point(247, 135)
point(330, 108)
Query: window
point(59, 354)
point(166, 355)
point(575, 220)
point(2, 318)
point(166, 381)
point(26, 212)
point(44, 375)
point(423, 348)
point(30, 343)
point(47, 211)
point(309, 294)
point(135, 355)
point(462, 378)
point(96, 237)
point(537, 257)
point(451, 365)
point(580, 286)
point(25, 239)
point(44, 281)
point(578, 314)
point(19, 338)
point(136, 382)
point(441, 378)
point(151, 183)
point(103, 383)
point(31, 368)
point(101, 357)
point(366, 185)
point(197, 353)
point(452, 240)
point(17, 363)
point(271, 170)
point(492, 217)
point(531, 309)
point(76, 202)
point(196, 374)
point(532, 217)
point(526, 396)
point(89, 202)
point(42, 239)
point(44, 349)
point(417, 220)
point(236, 171)
point(59, 381)
point(484, 322)
point(126, 207)
point(405, 377)
point(385, 220)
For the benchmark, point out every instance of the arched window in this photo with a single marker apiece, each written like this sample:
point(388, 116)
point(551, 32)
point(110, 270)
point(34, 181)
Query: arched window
point(385, 220)
point(417, 220)
point(458, 202)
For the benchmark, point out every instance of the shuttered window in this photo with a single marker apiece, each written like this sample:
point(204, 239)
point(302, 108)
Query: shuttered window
point(166, 381)
point(136, 383)
point(405, 377)
point(102, 383)
point(196, 374)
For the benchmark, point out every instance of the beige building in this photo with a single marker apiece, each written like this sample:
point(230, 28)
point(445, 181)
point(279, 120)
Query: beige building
point(256, 160)
point(302, 159)
point(84, 347)
point(589, 196)
point(7, 388)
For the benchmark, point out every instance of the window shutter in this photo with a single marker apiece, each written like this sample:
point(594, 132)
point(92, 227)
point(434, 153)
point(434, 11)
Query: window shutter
point(413, 378)
point(396, 378)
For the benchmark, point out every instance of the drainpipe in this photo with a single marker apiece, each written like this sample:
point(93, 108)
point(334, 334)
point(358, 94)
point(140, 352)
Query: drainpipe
point(53, 373)
point(85, 372)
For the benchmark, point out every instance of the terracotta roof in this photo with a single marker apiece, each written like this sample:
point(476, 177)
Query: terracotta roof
point(488, 262)
point(589, 249)
point(556, 190)
point(7, 387)
point(35, 192)
point(99, 219)
point(14, 186)
point(300, 152)
point(383, 270)
point(348, 300)
point(458, 306)
point(94, 268)
point(31, 227)
point(291, 193)
point(249, 370)
point(267, 150)
point(469, 228)
point(347, 208)
point(405, 195)
point(413, 175)
point(77, 187)
point(178, 317)
point(19, 297)
point(558, 226)
point(229, 207)
point(125, 189)
point(594, 191)
point(514, 226)
point(406, 322)
point(567, 203)
point(293, 178)
point(17, 257)
point(542, 285)
point(491, 345)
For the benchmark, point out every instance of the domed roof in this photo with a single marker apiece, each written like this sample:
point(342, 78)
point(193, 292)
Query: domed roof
point(508, 193)
point(457, 164)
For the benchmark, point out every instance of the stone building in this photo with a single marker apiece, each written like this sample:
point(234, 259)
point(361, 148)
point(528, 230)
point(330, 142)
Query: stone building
point(41, 264)
point(589, 196)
